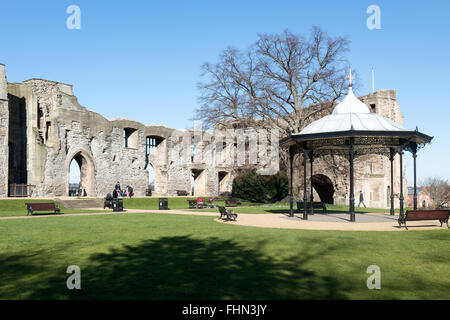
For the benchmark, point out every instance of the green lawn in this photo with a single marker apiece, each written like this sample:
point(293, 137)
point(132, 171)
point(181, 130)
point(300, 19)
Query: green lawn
point(16, 207)
point(174, 203)
point(165, 256)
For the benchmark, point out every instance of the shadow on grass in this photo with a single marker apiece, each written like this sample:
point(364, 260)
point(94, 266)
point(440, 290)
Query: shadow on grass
point(45, 214)
point(184, 268)
point(286, 211)
point(318, 211)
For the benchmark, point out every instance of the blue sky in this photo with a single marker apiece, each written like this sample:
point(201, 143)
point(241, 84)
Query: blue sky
point(141, 59)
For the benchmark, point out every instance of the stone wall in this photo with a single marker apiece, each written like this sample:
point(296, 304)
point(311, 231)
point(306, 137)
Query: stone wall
point(59, 130)
point(4, 120)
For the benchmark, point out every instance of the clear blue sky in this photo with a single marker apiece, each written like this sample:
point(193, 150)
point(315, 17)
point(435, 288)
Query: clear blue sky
point(141, 59)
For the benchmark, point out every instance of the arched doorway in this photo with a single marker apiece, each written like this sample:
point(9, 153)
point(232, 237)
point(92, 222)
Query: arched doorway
point(223, 179)
point(74, 178)
point(81, 172)
point(151, 178)
point(324, 188)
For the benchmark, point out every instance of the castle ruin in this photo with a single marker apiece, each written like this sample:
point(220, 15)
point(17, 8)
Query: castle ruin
point(43, 129)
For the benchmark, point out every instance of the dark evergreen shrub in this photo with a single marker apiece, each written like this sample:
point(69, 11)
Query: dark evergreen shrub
point(251, 186)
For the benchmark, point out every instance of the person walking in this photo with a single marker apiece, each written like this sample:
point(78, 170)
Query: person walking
point(361, 199)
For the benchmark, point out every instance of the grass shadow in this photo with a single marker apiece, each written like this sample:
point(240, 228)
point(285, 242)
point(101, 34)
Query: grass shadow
point(183, 267)
point(45, 214)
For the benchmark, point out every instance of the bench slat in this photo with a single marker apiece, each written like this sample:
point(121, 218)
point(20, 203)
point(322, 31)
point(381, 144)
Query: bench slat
point(415, 216)
point(316, 205)
point(41, 206)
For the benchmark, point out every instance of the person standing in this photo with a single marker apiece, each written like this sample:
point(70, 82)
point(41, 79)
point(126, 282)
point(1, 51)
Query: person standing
point(361, 199)
point(117, 187)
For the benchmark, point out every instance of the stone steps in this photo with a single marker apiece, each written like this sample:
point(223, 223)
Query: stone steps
point(81, 203)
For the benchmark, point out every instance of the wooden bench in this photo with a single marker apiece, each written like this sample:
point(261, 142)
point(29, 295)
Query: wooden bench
point(227, 214)
point(232, 202)
point(419, 215)
point(42, 207)
point(182, 193)
point(316, 205)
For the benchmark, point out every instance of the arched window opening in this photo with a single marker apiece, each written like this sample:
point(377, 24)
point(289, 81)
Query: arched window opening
point(130, 138)
point(152, 144)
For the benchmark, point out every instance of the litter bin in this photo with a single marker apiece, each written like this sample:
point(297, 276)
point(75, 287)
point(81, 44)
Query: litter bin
point(117, 204)
point(163, 203)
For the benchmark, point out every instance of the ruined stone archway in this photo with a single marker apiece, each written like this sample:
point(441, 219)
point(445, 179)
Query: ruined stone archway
point(324, 188)
point(198, 185)
point(87, 171)
point(223, 182)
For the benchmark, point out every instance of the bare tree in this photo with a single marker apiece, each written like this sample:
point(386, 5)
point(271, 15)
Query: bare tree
point(438, 189)
point(271, 83)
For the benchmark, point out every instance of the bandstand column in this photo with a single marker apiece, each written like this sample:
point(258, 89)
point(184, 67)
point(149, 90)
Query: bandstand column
point(305, 197)
point(401, 182)
point(414, 154)
point(391, 158)
point(352, 193)
point(311, 160)
point(291, 175)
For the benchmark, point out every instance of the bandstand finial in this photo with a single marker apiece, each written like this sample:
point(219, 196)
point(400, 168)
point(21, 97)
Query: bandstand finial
point(350, 76)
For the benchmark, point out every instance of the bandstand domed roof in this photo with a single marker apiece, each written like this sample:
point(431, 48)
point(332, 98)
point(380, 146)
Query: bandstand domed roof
point(351, 122)
point(351, 114)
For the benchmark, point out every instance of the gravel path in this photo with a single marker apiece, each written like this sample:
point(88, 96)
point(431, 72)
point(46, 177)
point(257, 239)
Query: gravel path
point(285, 222)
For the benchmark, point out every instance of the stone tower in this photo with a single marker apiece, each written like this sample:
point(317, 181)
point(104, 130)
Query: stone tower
point(4, 120)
